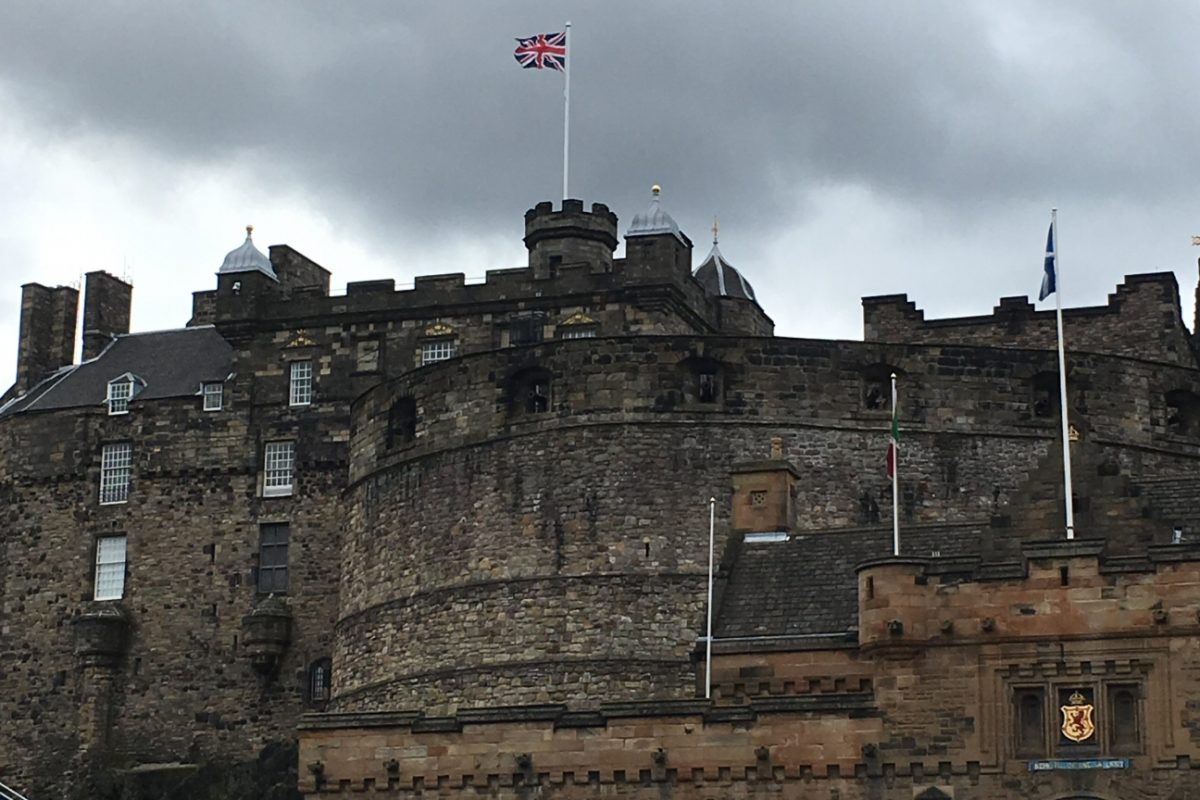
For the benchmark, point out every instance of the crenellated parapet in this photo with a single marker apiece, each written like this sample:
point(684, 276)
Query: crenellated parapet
point(1060, 590)
point(1142, 319)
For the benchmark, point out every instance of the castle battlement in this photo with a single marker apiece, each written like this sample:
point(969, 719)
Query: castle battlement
point(1142, 318)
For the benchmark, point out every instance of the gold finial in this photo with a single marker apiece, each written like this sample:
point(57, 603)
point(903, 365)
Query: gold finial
point(715, 228)
point(655, 189)
point(249, 230)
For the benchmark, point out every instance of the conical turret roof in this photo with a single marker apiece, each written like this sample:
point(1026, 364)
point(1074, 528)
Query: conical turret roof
point(718, 276)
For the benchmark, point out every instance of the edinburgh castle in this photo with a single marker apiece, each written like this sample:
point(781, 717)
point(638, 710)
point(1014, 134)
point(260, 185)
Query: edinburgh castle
point(452, 541)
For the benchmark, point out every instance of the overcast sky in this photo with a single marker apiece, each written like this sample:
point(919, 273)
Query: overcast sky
point(848, 148)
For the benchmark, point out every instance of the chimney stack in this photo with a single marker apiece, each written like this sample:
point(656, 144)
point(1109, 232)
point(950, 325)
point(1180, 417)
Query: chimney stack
point(106, 302)
point(47, 332)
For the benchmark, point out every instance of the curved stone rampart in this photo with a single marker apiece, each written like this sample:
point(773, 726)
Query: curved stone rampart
point(495, 525)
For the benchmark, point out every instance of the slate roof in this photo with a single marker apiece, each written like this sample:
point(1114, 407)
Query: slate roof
point(807, 585)
point(172, 363)
point(718, 277)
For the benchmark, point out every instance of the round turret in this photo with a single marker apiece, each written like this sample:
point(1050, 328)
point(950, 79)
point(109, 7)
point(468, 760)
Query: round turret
point(570, 236)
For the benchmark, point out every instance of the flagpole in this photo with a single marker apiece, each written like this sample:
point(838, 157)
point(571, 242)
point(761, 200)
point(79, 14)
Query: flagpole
point(1062, 379)
point(895, 476)
point(567, 109)
point(712, 516)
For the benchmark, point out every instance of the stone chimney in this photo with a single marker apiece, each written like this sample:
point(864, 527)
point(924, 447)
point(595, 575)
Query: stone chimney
point(762, 493)
point(106, 302)
point(47, 332)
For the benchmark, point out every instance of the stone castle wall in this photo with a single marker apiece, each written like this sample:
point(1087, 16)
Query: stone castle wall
point(918, 710)
point(183, 690)
point(489, 549)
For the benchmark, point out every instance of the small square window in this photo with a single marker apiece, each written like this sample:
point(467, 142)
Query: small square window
point(279, 460)
point(273, 558)
point(120, 392)
point(109, 580)
point(214, 396)
point(300, 386)
point(116, 469)
point(439, 350)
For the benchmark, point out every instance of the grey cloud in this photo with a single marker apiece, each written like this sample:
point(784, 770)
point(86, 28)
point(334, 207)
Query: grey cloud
point(410, 120)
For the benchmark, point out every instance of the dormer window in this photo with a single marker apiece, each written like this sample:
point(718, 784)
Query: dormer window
point(120, 391)
point(214, 395)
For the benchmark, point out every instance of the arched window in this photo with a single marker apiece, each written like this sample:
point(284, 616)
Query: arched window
point(402, 422)
point(877, 387)
point(702, 381)
point(1031, 727)
point(320, 673)
point(1183, 413)
point(1044, 399)
point(1123, 717)
point(530, 392)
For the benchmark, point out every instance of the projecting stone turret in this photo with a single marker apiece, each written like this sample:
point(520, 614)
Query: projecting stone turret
point(569, 236)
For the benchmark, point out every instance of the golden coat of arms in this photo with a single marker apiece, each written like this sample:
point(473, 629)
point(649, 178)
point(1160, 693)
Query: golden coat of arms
point(1077, 724)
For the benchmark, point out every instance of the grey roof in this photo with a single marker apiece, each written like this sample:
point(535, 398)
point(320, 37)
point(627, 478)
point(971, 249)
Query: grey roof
point(808, 585)
point(247, 258)
point(654, 221)
point(718, 277)
point(172, 363)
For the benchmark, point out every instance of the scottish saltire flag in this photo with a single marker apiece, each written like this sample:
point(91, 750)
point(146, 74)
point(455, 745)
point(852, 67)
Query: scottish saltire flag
point(544, 50)
point(1049, 284)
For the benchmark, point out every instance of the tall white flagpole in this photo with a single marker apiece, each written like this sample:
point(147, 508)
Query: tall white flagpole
point(1062, 379)
point(567, 111)
point(712, 516)
point(895, 475)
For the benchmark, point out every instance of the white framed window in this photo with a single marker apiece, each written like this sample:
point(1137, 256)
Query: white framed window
point(300, 385)
point(120, 392)
point(214, 396)
point(116, 468)
point(109, 581)
point(438, 350)
point(279, 460)
point(579, 332)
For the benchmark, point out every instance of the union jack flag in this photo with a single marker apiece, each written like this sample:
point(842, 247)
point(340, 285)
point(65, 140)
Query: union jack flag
point(543, 50)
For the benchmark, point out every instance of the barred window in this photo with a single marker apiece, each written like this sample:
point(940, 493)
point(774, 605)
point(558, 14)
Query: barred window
point(273, 558)
point(214, 396)
point(301, 384)
point(279, 458)
point(109, 582)
point(439, 350)
point(526, 329)
point(116, 468)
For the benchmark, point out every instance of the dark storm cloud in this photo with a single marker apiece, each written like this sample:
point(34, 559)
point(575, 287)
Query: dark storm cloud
point(406, 116)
